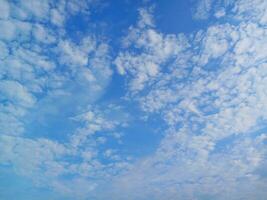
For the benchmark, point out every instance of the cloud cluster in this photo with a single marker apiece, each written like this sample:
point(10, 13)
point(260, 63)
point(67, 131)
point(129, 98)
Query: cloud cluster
point(207, 89)
point(153, 50)
point(46, 75)
point(211, 94)
point(40, 62)
point(84, 159)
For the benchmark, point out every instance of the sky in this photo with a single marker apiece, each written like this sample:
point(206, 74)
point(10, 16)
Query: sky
point(133, 100)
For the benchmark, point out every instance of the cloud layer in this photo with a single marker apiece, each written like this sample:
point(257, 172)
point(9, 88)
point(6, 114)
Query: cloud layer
point(206, 90)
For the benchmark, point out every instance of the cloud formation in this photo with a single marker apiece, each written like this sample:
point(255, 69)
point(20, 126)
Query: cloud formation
point(48, 77)
point(211, 94)
point(205, 90)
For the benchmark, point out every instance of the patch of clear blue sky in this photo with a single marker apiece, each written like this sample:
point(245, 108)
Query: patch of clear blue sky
point(176, 17)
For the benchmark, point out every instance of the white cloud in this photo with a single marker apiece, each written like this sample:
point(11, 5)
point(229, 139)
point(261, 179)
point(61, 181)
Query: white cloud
point(4, 50)
point(208, 88)
point(211, 95)
point(203, 9)
point(39, 9)
point(46, 162)
point(8, 30)
point(43, 35)
point(216, 42)
point(9, 124)
point(44, 76)
point(145, 18)
point(73, 54)
point(57, 18)
point(17, 93)
point(4, 9)
point(31, 158)
point(156, 50)
point(220, 13)
point(27, 59)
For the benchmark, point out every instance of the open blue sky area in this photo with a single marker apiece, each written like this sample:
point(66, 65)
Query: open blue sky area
point(133, 100)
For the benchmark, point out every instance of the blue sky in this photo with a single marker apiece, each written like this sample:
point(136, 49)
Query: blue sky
point(133, 100)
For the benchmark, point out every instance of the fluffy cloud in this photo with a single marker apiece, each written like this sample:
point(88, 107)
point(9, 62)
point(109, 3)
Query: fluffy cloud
point(83, 157)
point(206, 9)
point(207, 89)
point(44, 76)
point(156, 50)
point(30, 76)
point(202, 10)
point(14, 91)
point(4, 10)
point(211, 95)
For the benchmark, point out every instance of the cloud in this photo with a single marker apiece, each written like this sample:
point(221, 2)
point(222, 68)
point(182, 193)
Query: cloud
point(19, 152)
point(17, 93)
point(156, 50)
point(79, 160)
point(211, 95)
point(4, 10)
point(206, 89)
point(8, 32)
point(4, 50)
point(203, 9)
point(57, 17)
point(45, 77)
point(34, 53)
point(43, 35)
point(206, 9)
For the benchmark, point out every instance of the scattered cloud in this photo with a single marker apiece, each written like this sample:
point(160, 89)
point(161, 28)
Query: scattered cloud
point(207, 89)
point(211, 90)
